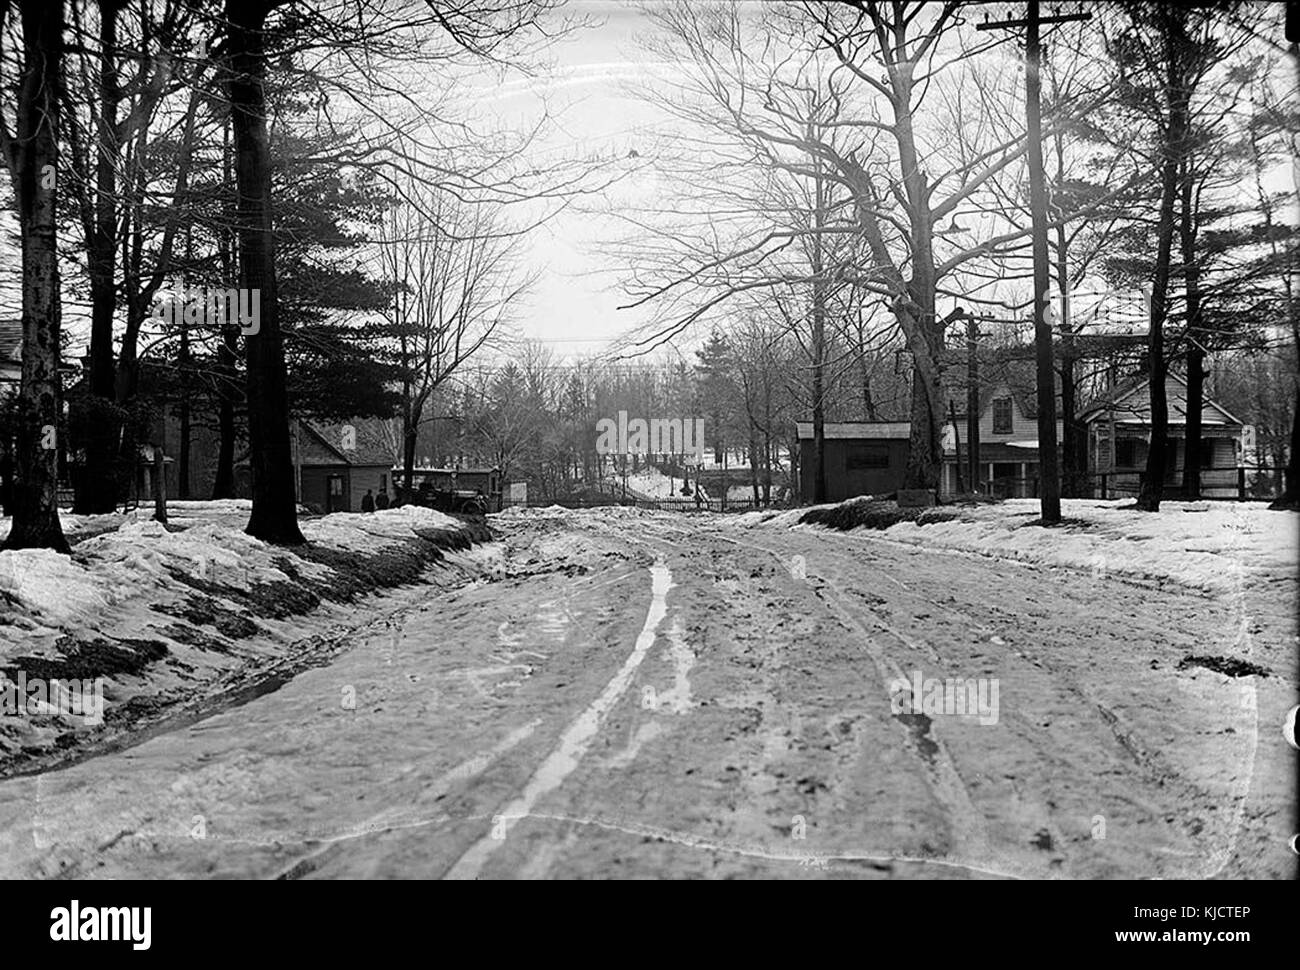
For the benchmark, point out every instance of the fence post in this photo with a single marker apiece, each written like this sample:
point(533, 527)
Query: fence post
point(1241, 483)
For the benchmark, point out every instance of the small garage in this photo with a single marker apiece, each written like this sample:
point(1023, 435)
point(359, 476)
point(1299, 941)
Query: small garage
point(862, 458)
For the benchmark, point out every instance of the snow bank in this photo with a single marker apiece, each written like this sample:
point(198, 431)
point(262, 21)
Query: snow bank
point(370, 531)
point(1211, 546)
point(183, 613)
point(139, 558)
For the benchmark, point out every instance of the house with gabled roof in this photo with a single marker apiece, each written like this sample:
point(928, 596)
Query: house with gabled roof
point(334, 463)
point(1118, 427)
point(339, 462)
point(1008, 442)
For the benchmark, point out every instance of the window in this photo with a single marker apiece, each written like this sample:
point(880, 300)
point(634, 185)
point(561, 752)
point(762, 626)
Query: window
point(869, 454)
point(1002, 415)
point(1125, 452)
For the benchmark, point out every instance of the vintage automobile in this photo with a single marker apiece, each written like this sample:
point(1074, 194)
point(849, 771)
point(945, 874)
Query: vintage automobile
point(460, 501)
point(472, 491)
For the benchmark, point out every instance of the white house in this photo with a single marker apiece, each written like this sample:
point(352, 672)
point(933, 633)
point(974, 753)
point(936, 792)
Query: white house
point(1119, 435)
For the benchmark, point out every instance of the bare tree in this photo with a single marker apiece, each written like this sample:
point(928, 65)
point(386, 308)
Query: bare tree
point(456, 280)
point(902, 175)
point(32, 155)
point(109, 160)
point(274, 517)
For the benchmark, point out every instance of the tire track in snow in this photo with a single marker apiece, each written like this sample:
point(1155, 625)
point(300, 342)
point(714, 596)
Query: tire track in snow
point(393, 819)
point(577, 737)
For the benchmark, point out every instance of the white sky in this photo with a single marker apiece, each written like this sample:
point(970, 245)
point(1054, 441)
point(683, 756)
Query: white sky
point(574, 307)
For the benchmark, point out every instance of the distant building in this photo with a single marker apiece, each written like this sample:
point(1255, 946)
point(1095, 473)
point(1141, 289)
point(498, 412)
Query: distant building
point(870, 457)
point(1008, 445)
point(862, 458)
point(1119, 435)
point(338, 463)
point(333, 466)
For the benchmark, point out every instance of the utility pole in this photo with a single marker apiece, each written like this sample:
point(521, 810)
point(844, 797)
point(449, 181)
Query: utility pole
point(1049, 489)
point(973, 400)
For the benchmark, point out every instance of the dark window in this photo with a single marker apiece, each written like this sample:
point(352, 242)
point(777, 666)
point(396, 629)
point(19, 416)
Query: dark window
point(870, 454)
point(1207, 453)
point(1125, 452)
point(1002, 415)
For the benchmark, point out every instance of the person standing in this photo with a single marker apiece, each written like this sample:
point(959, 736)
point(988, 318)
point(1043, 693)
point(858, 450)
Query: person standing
point(381, 500)
point(367, 502)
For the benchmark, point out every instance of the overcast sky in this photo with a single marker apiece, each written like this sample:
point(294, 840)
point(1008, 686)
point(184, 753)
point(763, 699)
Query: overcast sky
point(574, 307)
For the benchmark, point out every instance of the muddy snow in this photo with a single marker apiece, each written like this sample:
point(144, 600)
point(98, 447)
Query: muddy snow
point(618, 692)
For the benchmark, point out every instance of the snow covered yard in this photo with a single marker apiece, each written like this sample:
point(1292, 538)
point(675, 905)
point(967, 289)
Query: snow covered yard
point(177, 614)
point(1213, 547)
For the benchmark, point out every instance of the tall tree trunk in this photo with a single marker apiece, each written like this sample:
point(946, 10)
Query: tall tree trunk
point(98, 485)
point(223, 484)
point(868, 402)
point(767, 442)
point(1195, 352)
point(183, 459)
point(917, 317)
point(412, 411)
point(275, 517)
point(1177, 97)
point(32, 156)
point(818, 341)
point(1290, 496)
point(183, 364)
point(410, 435)
point(913, 305)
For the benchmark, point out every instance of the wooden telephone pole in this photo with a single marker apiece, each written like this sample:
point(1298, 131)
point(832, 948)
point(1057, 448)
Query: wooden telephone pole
point(973, 400)
point(1049, 488)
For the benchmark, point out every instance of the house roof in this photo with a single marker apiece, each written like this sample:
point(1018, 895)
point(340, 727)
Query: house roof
point(1003, 370)
point(322, 444)
point(1129, 404)
point(867, 430)
point(468, 470)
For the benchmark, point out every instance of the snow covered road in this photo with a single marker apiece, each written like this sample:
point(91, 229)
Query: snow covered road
point(643, 694)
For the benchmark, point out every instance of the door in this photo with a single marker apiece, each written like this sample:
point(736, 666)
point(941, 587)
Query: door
point(334, 497)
